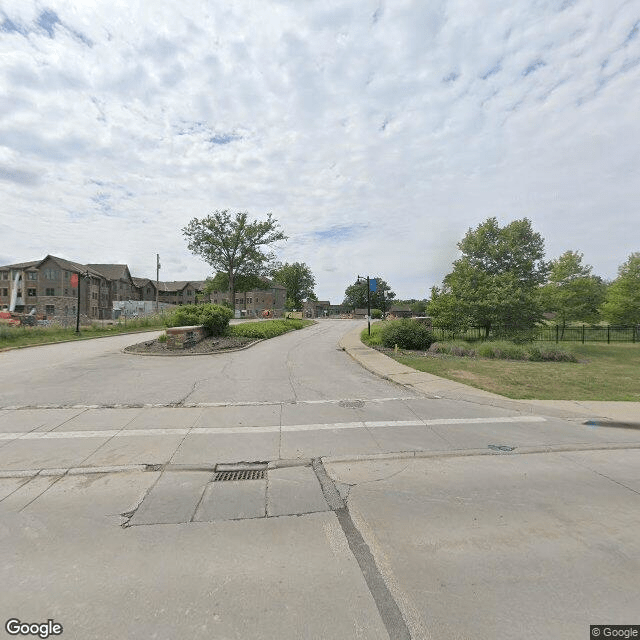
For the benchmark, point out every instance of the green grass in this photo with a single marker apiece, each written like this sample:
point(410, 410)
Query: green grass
point(27, 336)
point(266, 328)
point(603, 372)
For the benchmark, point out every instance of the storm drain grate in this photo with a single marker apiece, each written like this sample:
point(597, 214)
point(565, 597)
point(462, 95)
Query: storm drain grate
point(243, 474)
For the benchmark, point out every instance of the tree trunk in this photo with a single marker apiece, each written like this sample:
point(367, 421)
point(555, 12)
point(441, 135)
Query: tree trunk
point(232, 292)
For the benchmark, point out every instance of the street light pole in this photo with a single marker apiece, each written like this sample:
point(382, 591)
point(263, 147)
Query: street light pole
point(361, 279)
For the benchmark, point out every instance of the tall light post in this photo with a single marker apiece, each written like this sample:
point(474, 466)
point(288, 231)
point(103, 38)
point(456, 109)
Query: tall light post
point(75, 279)
point(370, 283)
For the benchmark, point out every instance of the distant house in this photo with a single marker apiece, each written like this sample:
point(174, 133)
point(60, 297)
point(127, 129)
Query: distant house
point(400, 311)
point(316, 308)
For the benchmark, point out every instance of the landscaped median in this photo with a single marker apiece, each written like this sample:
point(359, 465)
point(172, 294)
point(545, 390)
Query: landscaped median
point(535, 370)
point(231, 338)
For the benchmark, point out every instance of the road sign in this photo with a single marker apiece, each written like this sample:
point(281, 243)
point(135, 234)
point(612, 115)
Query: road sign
point(373, 285)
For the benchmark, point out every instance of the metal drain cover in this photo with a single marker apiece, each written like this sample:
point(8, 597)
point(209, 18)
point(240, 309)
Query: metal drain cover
point(351, 404)
point(500, 447)
point(239, 474)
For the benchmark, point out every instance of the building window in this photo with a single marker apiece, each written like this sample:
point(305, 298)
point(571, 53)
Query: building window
point(66, 275)
point(50, 310)
point(31, 293)
point(49, 291)
point(66, 292)
point(32, 275)
point(50, 274)
point(5, 292)
point(5, 275)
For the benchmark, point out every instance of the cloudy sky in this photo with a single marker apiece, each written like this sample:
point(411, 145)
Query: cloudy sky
point(377, 132)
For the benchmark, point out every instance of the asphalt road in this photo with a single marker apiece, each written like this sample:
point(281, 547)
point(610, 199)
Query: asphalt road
point(373, 511)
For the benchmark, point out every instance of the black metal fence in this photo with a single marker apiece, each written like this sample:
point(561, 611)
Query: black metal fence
point(548, 333)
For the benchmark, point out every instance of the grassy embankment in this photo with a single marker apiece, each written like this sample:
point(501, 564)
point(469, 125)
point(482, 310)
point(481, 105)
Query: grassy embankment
point(602, 371)
point(27, 336)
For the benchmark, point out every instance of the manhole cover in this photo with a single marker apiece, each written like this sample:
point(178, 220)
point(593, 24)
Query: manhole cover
point(500, 447)
point(351, 404)
point(242, 474)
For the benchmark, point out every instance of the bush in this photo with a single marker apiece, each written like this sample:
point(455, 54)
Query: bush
point(539, 354)
point(452, 348)
point(214, 317)
point(407, 334)
point(162, 338)
point(502, 350)
point(266, 328)
point(376, 314)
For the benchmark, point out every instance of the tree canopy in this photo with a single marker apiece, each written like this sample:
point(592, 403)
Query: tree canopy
point(298, 280)
point(234, 245)
point(572, 292)
point(622, 303)
point(495, 282)
point(355, 295)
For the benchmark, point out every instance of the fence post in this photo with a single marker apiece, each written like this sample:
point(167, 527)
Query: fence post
point(557, 332)
point(608, 334)
point(582, 334)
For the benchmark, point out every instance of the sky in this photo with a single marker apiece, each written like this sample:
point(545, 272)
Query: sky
point(376, 132)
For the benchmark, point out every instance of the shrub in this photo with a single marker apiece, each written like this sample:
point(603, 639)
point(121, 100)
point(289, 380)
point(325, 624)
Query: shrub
point(266, 329)
point(452, 348)
point(213, 316)
point(407, 334)
point(502, 350)
point(376, 314)
point(538, 354)
point(162, 338)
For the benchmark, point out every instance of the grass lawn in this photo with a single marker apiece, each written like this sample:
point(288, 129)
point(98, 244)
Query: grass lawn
point(26, 336)
point(603, 372)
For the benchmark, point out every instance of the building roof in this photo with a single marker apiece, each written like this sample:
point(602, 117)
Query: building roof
point(142, 282)
point(20, 265)
point(400, 307)
point(112, 271)
point(71, 266)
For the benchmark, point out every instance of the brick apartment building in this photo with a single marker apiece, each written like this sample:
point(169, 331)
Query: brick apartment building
point(48, 287)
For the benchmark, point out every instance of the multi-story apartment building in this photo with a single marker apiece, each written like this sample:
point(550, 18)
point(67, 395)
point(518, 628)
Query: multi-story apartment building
point(49, 287)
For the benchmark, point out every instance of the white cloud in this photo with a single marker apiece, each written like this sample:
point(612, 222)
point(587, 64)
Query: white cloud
point(401, 124)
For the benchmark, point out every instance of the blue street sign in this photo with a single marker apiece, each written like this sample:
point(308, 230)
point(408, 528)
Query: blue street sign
point(373, 285)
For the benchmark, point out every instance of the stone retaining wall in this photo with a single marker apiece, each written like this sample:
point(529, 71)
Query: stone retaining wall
point(183, 337)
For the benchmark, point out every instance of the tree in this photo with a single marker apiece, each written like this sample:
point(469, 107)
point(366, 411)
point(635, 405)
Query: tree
point(355, 295)
point(232, 244)
point(220, 282)
point(572, 292)
point(298, 280)
point(622, 303)
point(495, 282)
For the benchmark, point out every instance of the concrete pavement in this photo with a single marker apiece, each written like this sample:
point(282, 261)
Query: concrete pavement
point(377, 510)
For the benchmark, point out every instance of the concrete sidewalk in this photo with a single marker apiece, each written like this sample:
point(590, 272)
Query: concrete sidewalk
point(436, 387)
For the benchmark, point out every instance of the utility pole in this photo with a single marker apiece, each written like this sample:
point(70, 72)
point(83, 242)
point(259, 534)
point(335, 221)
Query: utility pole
point(157, 281)
point(362, 279)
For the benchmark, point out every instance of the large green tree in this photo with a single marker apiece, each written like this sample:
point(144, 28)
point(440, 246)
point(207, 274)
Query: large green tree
point(355, 295)
point(622, 303)
point(298, 280)
point(495, 282)
point(233, 244)
point(572, 292)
